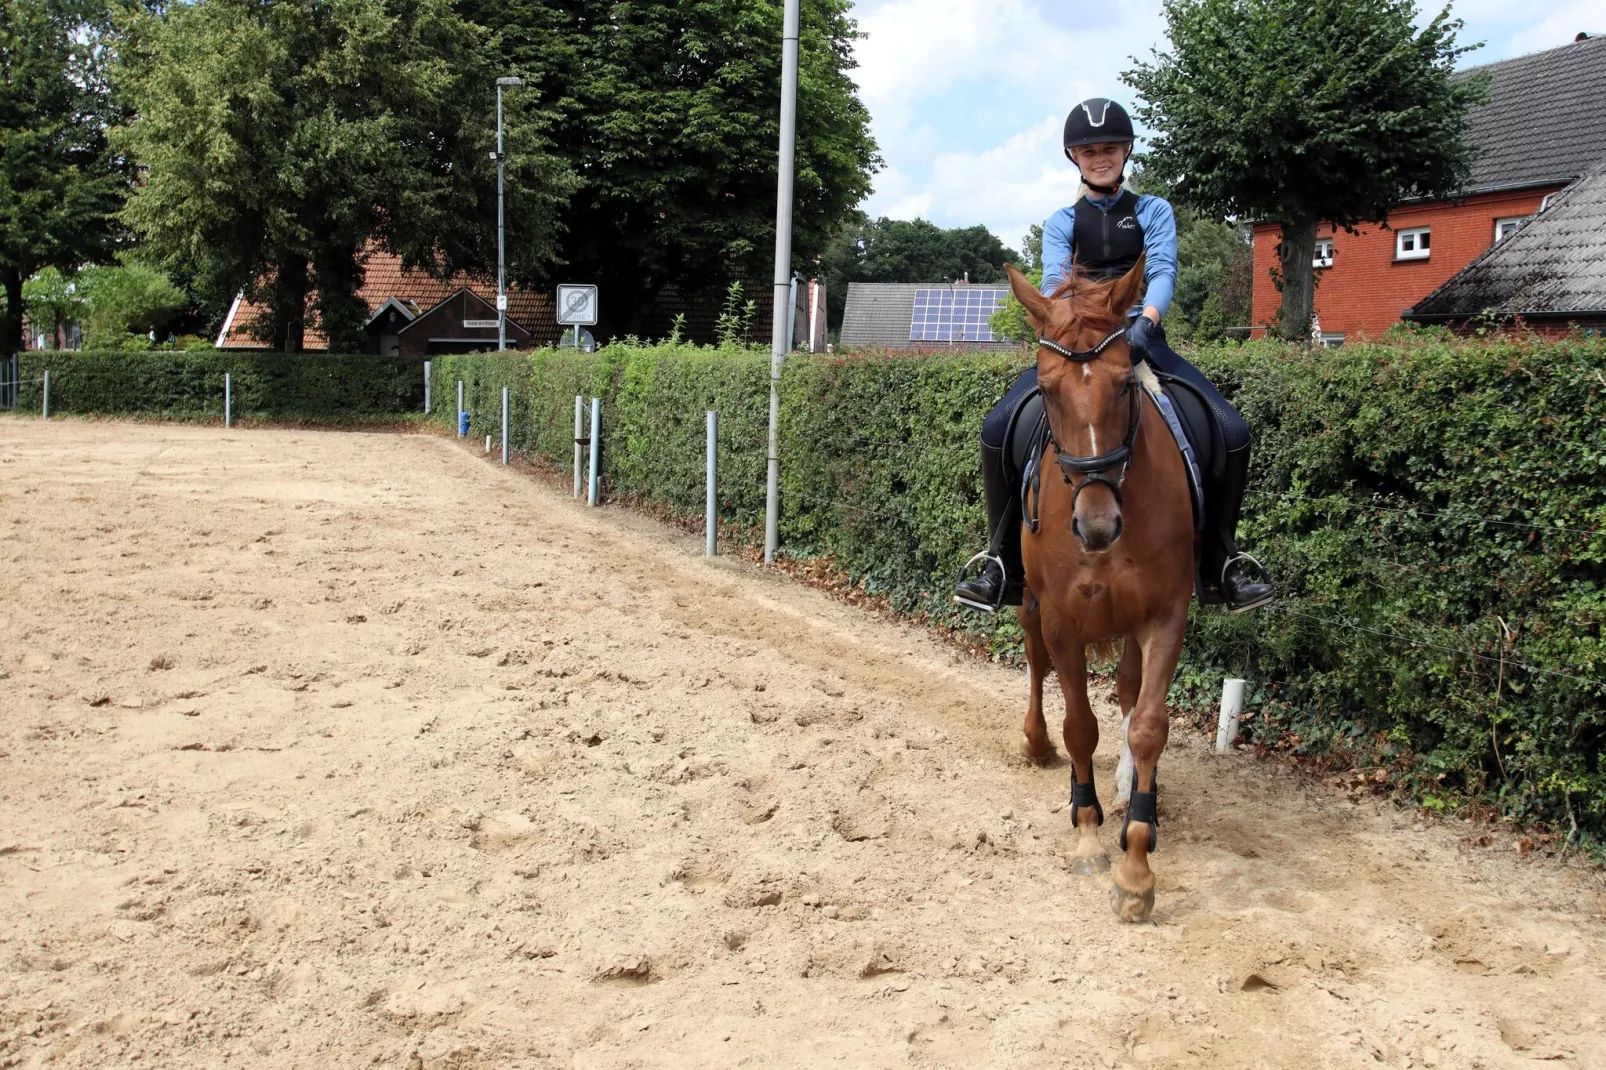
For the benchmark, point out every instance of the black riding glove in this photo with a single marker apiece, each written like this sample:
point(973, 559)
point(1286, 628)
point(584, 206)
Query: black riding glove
point(1137, 336)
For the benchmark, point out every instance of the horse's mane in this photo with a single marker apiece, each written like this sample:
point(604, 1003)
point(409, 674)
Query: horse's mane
point(1090, 298)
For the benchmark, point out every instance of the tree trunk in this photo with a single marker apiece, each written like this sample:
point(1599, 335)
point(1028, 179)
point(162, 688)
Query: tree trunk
point(11, 325)
point(290, 304)
point(1297, 279)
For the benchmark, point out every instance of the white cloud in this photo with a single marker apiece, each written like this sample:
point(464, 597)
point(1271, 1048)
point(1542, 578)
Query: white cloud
point(966, 97)
point(928, 67)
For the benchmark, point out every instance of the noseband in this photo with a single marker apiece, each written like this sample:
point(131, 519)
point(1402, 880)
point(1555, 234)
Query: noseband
point(1092, 469)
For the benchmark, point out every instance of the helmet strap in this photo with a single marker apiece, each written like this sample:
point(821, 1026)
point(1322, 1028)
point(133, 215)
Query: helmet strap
point(1103, 191)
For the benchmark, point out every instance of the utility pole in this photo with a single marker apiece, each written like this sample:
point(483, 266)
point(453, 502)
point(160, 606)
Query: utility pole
point(779, 341)
point(501, 259)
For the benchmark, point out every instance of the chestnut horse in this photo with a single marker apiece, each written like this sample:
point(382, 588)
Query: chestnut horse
point(1111, 558)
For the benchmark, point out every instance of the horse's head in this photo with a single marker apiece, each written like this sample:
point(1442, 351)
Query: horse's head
point(1085, 370)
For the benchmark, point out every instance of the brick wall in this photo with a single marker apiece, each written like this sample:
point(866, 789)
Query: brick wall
point(1366, 289)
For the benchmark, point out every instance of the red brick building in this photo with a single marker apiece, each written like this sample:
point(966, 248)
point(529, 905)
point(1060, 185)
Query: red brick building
point(1543, 126)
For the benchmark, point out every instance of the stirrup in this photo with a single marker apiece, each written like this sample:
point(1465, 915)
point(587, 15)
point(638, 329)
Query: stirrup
point(964, 570)
point(1221, 584)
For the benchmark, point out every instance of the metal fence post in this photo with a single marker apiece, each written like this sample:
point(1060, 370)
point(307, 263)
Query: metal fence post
point(228, 400)
point(460, 408)
point(579, 430)
point(426, 388)
point(711, 508)
point(504, 425)
point(596, 448)
point(45, 412)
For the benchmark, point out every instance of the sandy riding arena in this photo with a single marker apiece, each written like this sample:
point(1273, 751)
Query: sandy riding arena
point(345, 750)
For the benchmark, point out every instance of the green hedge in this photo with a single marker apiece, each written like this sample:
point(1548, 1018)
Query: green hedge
point(1408, 497)
point(189, 385)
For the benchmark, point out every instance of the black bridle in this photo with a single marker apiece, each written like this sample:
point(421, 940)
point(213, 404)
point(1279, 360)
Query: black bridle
point(1092, 469)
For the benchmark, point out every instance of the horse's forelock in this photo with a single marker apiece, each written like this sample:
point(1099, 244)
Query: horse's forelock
point(1089, 298)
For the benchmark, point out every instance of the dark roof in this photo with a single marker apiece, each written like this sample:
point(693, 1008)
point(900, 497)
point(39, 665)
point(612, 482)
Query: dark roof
point(1545, 120)
point(878, 314)
point(1554, 265)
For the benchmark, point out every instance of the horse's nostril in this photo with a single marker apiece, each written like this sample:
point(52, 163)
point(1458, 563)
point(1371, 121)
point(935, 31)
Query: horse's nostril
point(1120, 526)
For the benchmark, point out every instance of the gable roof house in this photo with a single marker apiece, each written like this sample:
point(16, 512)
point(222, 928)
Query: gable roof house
point(1542, 128)
point(412, 314)
point(923, 315)
point(1551, 273)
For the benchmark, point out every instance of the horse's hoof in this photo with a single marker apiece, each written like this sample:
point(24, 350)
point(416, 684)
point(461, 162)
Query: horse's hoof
point(1090, 865)
point(1131, 907)
point(1039, 758)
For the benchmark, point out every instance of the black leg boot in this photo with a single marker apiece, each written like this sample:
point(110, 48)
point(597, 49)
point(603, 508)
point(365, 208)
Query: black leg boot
point(1223, 564)
point(998, 580)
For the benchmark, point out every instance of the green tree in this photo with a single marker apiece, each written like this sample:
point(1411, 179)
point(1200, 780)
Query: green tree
point(52, 302)
point(281, 137)
point(124, 299)
point(1299, 111)
point(60, 184)
point(668, 110)
point(908, 250)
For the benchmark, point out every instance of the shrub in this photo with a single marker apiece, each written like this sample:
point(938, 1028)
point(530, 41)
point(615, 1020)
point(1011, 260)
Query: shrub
point(188, 385)
point(1433, 510)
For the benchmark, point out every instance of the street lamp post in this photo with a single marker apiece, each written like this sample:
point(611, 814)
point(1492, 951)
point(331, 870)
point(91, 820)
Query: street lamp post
point(501, 261)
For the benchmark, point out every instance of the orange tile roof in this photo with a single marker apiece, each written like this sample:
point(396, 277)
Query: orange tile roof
point(385, 278)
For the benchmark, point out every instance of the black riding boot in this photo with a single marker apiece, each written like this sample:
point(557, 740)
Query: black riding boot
point(1223, 564)
point(999, 579)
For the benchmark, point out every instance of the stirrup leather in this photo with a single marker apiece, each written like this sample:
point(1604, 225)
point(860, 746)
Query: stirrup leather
point(964, 571)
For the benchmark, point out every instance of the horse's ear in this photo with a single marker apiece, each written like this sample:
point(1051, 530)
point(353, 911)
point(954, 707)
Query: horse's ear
point(1035, 303)
point(1129, 288)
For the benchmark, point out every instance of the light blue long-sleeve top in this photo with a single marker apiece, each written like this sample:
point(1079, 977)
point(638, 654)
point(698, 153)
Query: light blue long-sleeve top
point(1159, 225)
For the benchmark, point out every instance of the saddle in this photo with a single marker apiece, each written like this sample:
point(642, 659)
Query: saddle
point(1187, 415)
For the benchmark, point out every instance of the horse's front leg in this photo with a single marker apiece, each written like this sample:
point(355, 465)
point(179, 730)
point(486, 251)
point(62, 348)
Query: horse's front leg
point(1038, 748)
point(1081, 740)
point(1161, 645)
point(1128, 683)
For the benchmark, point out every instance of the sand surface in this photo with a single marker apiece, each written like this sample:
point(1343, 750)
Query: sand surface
point(330, 750)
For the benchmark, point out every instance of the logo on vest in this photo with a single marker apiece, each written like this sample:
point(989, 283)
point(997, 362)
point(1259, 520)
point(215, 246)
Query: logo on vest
point(1126, 223)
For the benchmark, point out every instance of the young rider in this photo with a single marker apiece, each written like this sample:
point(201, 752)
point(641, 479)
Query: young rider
point(1106, 231)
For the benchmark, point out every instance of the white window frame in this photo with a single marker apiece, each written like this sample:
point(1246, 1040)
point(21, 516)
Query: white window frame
point(1321, 259)
point(1332, 340)
point(1418, 250)
point(1511, 222)
point(1547, 200)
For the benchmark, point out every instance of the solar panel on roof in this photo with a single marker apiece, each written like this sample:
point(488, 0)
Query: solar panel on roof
point(955, 313)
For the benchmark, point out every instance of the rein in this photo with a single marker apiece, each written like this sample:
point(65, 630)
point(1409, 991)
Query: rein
point(1092, 469)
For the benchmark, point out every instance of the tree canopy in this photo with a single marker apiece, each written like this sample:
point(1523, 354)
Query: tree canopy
point(667, 111)
point(1303, 111)
point(280, 138)
point(60, 183)
point(908, 250)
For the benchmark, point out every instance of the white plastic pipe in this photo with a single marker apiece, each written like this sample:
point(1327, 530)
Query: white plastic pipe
point(711, 509)
point(596, 448)
point(460, 408)
point(426, 388)
point(504, 425)
point(579, 432)
point(44, 413)
point(228, 400)
point(1232, 705)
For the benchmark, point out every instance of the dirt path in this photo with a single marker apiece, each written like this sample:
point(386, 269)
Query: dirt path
point(327, 750)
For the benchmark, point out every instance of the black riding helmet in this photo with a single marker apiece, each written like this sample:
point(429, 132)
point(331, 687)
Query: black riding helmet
point(1097, 121)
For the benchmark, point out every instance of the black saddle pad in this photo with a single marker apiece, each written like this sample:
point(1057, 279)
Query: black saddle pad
point(1027, 435)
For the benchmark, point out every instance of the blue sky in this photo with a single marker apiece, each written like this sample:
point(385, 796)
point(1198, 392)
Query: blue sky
point(967, 97)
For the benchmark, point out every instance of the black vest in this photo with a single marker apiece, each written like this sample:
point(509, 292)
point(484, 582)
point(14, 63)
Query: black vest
point(1106, 244)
